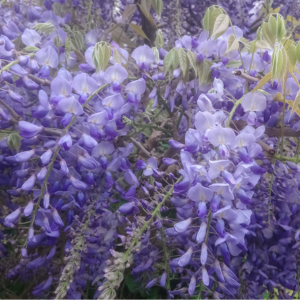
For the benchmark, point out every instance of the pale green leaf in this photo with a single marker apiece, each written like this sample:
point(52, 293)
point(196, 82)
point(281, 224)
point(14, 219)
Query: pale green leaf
point(280, 32)
point(232, 44)
point(168, 61)
point(291, 52)
point(159, 41)
point(246, 43)
point(296, 103)
point(193, 61)
point(262, 82)
point(138, 30)
point(120, 37)
point(272, 26)
point(156, 54)
point(183, 61)
point(146, 12)
point(220, 26)
point(233, 63)
point(3, 135)
point(206, 19)
point(263, 44)
point(117, 57)
point(298, 52)
point(285, 69)
point(14, 141)
point(158, 6)
point(214, 14)
point(267, 35)
point(31, 49)
point(277, 67)
point(128, 13)
point(263, 92)
point(45, 28)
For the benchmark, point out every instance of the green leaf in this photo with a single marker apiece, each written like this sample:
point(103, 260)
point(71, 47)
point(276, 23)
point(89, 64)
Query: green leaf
point(263, 44)
point(168, 60)
point(3, 135)
point(296, 102)
point(101, 55)
point(232, 44)
point(246, 43)
point(138, 30)
point(291, 52)
point(156, 54)
point(45, 28)
point(272, 26)
point(159, 41)
point(131, 284)
point(277, 63)
point(280, 30)
point(158, 6)
point(263, 92)
point(220, 26)
point(233, 64)
point(267, 35)
point(204, 72)
point(117, 57)
point(207, 18)
point(298, 52)
point(214, 14)
point(193, 61)
point(183, 61)
point(262, 82)
point(14, 141)
point(146, 12)
point(31, 49)
point(78, 40)
point(128, 13)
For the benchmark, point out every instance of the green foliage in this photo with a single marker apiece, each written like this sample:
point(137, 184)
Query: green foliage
point(159, 41)
point(45, 28)
point(101, 55)
point(158, 6)
point(30, 49)
point(232, 44)
point(14, 141)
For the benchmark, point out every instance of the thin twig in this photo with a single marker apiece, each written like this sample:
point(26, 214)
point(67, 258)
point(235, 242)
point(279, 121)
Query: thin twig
point(245, 76)
point(39, 81)
point(140, 147)
point(15, 116)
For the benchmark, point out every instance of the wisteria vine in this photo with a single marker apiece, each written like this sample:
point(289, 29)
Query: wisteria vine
point(170, 167)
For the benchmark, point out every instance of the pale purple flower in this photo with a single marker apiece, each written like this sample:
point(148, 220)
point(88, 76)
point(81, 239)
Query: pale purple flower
point(151, 166)
point(70, 105)
point(28, 209)
point(201, 232)
point(183, 225)
point(29, 130)
point(199, 193)
point(144, 56)
point(203, 256)
point(185, 258)
point(47, 56)
point(29, 183)
point(30, 37)
point(13, 217)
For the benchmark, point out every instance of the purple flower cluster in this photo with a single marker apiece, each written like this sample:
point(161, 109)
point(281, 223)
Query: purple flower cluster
point(89, 195)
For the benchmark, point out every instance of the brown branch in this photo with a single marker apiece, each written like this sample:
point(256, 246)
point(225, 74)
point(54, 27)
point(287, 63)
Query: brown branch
point(153, 138)
point(39, 81)
point(245, 76)
point(14, 115)
point(140, 147)
point(266, 148)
